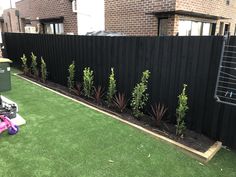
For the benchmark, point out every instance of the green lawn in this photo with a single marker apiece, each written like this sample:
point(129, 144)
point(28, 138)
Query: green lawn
point(65, 139)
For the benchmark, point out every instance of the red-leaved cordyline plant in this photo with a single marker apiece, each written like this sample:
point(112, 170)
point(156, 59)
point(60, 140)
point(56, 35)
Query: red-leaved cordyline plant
point(78, 87)
point(120, 102)
point(158, 112)
point(98, 94)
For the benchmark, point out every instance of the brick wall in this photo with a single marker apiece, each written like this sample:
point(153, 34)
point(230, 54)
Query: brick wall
point(10, 20)
point(130, 18)
point(211, 7)
point(48, 9)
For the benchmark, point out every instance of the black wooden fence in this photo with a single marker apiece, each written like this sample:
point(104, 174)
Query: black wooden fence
point(172, 62)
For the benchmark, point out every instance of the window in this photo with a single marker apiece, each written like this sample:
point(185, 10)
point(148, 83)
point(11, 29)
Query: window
point(227, 2)
point(30, 29)
point(194, 28)
point(163, 27)
point(227, 29)
point(59, 27)
point(49, 29)
point(185, 28)
point(221, 28)
point(53, 28)
point(206, 29)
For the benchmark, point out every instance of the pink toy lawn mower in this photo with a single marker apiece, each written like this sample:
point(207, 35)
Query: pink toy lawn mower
point(6, 124)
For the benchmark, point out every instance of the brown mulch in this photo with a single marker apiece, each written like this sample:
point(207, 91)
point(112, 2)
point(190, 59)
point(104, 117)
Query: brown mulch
point(191, 139)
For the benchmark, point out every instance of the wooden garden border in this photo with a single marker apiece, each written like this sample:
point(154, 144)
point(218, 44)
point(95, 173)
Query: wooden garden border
point(203, 157)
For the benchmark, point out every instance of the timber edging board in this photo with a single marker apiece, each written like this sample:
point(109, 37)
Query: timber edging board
point(203, 157)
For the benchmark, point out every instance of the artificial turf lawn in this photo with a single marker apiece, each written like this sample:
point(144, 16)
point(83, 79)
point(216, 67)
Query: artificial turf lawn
point(65, 139)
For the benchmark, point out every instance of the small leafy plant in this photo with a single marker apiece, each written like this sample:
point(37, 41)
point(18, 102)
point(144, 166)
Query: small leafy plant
point(139, 95)
point(44, 72)
point(120, 102)
point(158, 112)
point(181, 112)
point(24, 64)
point(88, 82)
point(34, 67)
point(98, 94)
point(71, 77)
point(111, 87)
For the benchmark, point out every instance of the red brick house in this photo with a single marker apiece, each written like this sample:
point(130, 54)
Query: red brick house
point(9, 22)
point(170, 17)
point(54, 16)
point(41, 16)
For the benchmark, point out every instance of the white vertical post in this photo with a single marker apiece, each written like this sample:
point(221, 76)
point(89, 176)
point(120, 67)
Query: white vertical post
point(10, 4)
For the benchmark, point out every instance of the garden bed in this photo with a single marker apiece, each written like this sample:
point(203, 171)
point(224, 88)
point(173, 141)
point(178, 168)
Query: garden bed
point(196, 144)
point(94, 143)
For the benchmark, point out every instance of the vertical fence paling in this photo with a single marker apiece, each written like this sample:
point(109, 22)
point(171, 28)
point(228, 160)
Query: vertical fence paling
point(172, 61)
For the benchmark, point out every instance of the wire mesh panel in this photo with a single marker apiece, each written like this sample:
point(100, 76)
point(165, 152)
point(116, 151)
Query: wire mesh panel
point(226, 82)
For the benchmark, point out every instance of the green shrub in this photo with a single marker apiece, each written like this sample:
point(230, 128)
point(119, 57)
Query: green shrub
point(88, 82)
point(139, 95)
point(71, 77)
point(34, 67)
point(181, 112)
point(111, 87)
point(44, 72)
point(24, 64)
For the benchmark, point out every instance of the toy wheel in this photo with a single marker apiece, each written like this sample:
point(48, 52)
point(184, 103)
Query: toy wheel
point(12, 131)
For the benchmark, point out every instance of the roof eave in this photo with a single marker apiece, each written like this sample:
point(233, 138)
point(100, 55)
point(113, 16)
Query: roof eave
point(187, 13)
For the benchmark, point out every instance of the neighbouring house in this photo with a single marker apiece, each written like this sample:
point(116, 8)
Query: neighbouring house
point(41, 16)
point(171, 17)
point(10, 21)
point(55, 16)
point(49, 17)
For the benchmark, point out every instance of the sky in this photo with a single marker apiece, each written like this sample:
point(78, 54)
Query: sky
point(5, 4)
